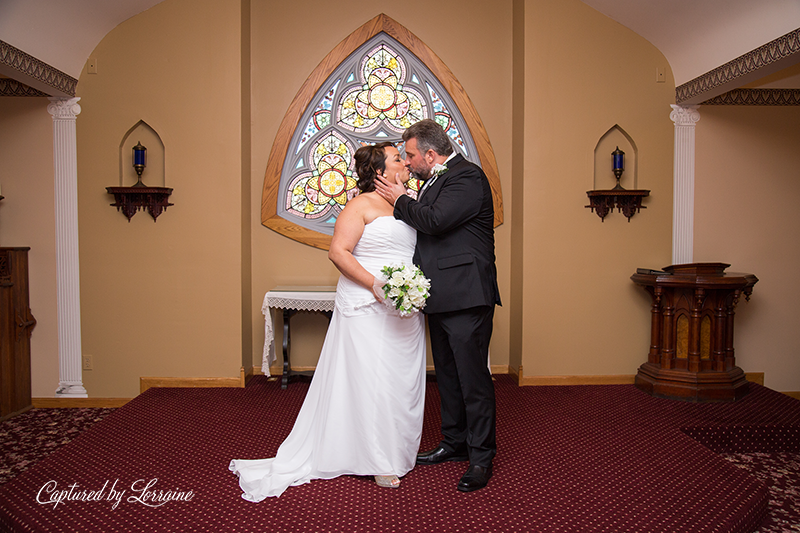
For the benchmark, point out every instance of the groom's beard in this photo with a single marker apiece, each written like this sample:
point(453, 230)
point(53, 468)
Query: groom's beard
point(420, 175)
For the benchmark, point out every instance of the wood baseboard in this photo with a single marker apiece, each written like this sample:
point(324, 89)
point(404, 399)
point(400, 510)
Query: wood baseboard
point(522, 380)
point(153, 382)
point(619, 379)
point(146, 383)
point(277, 370)
point(500, 369)
point(67, 403)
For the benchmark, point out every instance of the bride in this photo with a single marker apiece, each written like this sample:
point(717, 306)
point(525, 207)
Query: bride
point(363, 411)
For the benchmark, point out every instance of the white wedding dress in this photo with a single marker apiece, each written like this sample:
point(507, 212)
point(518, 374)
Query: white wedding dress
point(363, 411)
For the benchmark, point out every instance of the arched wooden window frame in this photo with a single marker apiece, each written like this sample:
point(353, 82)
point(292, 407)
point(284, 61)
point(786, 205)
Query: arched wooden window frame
point(280, 147)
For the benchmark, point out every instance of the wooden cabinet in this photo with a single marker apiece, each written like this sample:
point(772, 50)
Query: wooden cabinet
point(16, 323)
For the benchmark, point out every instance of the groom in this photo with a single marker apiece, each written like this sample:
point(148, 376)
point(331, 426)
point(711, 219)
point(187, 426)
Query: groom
point(454, 218)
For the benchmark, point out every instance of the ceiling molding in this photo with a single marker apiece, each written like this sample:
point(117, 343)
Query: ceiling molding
point(768, 97)
point(34, 73)
point(9, 87)
point(764, 60)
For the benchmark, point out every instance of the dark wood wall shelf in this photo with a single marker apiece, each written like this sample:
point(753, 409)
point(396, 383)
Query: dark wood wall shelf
point(605, 201)
point(131, 199)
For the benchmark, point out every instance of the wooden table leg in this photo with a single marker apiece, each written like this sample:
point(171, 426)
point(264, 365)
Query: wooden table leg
point(287, 314)
point(287, 369)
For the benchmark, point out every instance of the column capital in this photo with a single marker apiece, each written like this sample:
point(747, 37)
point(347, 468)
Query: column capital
point(64, 107)
point(684, 115)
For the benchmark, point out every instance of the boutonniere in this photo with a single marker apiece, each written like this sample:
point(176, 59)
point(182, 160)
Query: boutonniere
point(438, 169)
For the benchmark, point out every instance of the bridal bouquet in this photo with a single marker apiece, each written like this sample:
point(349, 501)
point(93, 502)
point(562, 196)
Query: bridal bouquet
point(406, 288)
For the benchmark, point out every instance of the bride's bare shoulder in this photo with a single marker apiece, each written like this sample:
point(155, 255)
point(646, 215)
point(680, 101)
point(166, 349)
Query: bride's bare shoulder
point(370, 206)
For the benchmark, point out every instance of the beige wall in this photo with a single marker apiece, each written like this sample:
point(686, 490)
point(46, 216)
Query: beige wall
point(163, 298)
point(182, 297)
point(747, 185)
point(585, 74)
point(27, 218)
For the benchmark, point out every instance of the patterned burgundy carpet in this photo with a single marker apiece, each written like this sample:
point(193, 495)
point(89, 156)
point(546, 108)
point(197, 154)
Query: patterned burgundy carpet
point(571, 459)
point(27, 438)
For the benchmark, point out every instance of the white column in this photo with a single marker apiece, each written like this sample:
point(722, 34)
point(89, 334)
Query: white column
point(683, 183)
point(65, 111)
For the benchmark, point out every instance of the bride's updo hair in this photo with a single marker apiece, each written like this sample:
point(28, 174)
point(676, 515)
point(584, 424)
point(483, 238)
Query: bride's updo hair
point(370, 160)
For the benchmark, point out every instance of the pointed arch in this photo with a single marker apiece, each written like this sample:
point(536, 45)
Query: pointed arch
point(156, 154)
point(307, 98)
point(615, 136)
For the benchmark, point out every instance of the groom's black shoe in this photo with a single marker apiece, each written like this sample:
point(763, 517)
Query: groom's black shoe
point(440, 455)
point(476, 478)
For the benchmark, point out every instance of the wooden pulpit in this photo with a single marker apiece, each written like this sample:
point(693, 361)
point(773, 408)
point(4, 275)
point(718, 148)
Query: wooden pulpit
point(691, 349)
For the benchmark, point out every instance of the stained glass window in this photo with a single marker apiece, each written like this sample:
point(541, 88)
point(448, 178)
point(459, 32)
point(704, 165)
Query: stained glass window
point(372, 96)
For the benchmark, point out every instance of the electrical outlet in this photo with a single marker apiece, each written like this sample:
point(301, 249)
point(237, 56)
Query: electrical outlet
point(91, 67)
point(661, 75)
point(87, 362)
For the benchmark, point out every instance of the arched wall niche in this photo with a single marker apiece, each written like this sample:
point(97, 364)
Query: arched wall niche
point(306, 97)
point(603, 162)
point(154, 174)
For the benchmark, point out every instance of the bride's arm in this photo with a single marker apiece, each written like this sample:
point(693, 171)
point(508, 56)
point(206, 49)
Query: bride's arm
point(346, 234)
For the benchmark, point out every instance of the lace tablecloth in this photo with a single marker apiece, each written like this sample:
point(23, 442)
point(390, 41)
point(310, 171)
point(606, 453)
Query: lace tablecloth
point(298, 298)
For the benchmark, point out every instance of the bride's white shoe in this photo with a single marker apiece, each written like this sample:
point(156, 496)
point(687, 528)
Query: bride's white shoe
point(390, 482)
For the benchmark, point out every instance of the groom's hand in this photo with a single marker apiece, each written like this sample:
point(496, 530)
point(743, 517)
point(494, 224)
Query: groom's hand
point(387, 190)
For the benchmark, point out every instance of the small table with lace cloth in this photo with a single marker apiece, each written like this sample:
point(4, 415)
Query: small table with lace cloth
point(291, 299)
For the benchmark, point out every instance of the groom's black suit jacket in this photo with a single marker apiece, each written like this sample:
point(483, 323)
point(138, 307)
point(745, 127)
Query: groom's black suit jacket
point(454, 220)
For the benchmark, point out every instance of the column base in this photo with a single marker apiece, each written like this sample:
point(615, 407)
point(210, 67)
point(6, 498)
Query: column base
point(74, 390)
point(727, 386)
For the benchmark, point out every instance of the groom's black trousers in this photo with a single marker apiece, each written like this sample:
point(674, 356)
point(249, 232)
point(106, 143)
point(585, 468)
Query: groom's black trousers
point(460, 344)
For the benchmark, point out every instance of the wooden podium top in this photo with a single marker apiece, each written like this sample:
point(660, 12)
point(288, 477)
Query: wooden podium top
point(699, 275)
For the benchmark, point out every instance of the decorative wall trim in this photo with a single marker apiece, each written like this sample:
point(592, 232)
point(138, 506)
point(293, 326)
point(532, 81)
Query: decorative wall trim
point(38, 70)
point(772, 52)
point(770, 97)
point(9, 87)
